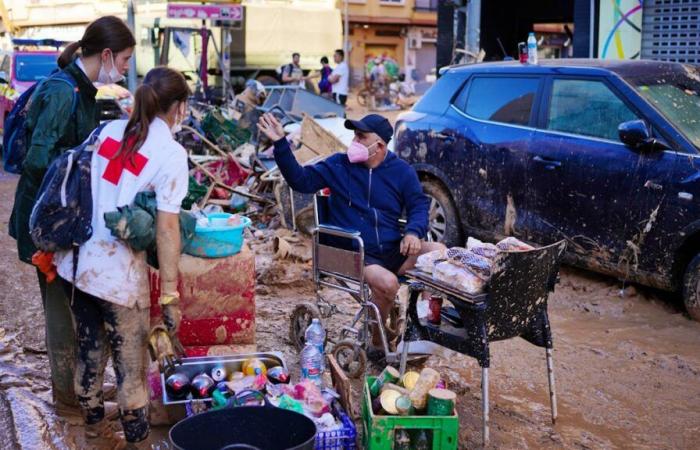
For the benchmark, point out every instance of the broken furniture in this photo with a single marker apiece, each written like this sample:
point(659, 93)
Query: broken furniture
point(514, 305)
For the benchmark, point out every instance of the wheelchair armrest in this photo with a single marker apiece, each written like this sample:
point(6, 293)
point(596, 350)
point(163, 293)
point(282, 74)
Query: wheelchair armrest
point(337, 231)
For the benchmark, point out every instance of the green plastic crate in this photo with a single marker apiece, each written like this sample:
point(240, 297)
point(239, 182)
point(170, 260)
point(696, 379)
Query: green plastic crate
point(378, 431)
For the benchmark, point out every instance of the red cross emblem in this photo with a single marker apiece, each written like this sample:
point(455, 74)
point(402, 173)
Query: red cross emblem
point(116, 166)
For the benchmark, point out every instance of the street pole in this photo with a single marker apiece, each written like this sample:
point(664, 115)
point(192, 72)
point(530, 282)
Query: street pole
point(346, 30)
point(131, 78)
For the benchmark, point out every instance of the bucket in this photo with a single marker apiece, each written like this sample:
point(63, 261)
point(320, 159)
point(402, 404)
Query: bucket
point(245, 427)
point(218, 240)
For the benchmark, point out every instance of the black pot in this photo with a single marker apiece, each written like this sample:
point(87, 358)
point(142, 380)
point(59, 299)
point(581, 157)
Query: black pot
point(245, 427)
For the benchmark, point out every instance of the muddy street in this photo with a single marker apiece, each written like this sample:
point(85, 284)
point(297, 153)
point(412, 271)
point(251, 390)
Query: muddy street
point(627, 364)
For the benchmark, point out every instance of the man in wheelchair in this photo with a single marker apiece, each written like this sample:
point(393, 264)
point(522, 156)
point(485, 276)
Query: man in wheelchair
point(370, 189)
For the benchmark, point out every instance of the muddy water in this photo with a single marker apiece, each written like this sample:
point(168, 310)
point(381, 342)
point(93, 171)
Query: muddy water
point(627, 368)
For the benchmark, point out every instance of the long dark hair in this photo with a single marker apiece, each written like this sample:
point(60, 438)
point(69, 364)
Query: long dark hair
point(162, 87)
point(106, 32)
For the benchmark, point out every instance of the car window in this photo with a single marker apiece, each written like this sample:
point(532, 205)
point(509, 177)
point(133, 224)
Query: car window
point(588, 108)
point(500, 99)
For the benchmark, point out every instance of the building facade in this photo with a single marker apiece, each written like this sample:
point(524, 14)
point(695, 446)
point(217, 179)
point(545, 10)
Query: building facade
point(402, 30)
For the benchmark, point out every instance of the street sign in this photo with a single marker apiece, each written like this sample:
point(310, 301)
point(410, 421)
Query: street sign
point(229, 12)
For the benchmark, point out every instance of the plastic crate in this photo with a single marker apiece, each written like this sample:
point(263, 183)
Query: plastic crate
point(378, 431)
point(343, 439)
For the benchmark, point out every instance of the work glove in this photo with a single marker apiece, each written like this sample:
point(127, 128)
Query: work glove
point(172, 317)
point(165, 349)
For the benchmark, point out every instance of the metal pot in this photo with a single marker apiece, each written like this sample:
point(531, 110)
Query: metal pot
point(245, 427)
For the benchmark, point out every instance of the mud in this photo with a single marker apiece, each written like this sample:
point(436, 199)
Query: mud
point(626, 359)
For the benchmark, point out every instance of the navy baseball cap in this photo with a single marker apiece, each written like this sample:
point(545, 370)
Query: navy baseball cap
point(372, 123)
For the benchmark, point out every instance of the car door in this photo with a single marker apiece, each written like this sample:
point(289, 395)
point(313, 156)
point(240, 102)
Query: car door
point(497, 113)
point(585, 186)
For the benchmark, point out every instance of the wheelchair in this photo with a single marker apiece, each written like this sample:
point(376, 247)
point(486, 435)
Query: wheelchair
point(343, 269)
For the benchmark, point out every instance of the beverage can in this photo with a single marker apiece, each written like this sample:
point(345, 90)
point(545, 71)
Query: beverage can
point(434, 307)
point(218, 373)
point(522, 52)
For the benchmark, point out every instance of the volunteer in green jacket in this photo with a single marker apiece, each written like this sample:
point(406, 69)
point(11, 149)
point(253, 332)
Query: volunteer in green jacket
point(56, 125)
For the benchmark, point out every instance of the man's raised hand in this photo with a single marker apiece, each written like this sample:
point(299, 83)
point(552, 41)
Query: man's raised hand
point(271, 127)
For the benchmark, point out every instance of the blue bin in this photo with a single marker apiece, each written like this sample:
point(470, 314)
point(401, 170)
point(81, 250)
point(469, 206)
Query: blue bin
point(218, 241)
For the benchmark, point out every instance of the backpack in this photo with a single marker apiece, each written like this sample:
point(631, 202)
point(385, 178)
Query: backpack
point(62, 215)
point(15, 141)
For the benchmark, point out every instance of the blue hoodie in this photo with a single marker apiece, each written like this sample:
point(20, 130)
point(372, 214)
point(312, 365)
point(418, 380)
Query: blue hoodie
point(370, 201)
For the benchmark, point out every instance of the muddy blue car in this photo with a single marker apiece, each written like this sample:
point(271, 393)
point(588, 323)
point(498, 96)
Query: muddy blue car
point(605, 155)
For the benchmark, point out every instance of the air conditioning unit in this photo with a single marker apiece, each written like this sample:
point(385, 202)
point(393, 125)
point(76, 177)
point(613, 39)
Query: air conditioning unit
point(415, 43)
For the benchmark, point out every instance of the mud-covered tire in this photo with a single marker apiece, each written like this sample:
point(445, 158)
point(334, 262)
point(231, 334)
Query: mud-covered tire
point(299, 321)
point(351, 358)
point(691, 288)
point(443, 225)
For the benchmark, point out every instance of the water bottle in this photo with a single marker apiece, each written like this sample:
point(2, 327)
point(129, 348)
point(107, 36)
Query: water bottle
point(532, 48)
point(421, 441)
point(316, 335)
point(311, 364)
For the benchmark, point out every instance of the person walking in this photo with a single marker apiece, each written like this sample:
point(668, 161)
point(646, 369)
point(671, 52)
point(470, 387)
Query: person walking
point(340, 78)
point(111, 299)
point(60, 117)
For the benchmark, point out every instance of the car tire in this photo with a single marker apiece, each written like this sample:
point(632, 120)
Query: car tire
point(691, 288)
point(443, 225)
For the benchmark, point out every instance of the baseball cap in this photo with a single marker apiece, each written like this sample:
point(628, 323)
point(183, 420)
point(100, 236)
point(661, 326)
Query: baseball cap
point(372, 123)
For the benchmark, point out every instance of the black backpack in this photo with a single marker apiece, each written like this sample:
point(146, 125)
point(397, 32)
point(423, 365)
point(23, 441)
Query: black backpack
point(62, 215)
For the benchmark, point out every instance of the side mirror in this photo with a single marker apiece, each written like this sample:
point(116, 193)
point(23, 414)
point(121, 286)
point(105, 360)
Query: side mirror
point(636, 135)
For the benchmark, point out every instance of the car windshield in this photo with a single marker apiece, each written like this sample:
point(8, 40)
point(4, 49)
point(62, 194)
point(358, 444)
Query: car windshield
point(676, 96)
point(34, 67)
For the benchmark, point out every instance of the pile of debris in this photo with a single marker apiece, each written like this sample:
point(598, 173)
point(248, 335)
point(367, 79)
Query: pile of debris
point(232, 166)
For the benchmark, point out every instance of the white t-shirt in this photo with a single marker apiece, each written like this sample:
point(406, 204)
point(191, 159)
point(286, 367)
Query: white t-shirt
point(342, 86)
point(107, 267)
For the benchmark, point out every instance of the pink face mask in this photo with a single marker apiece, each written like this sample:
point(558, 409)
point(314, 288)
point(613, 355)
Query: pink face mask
point(358, 153)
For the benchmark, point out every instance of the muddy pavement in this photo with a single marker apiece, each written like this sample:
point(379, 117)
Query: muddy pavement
point(627, 367)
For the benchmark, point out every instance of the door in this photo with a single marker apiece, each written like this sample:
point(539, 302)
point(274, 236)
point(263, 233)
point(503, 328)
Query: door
point(498, 114)
point(587, 187)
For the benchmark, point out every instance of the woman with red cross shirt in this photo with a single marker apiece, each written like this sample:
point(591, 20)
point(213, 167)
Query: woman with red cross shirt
point(112, 297)
point(61, 114)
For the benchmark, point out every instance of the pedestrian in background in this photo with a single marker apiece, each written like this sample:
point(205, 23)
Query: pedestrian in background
point(325, 87)
point(111, 295)
point(340, 78)
point(292, 74)
point(59, 118)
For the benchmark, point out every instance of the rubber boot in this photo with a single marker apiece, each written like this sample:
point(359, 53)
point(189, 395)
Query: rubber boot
point(60, 340)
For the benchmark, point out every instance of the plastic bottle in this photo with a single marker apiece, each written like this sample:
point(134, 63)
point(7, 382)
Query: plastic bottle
point(531, 48)
point(402, 441)
point(316, 335)
point(421, 442)
point(312, 364)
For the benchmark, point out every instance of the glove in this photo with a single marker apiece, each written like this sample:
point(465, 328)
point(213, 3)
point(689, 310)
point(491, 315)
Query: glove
point(164, 349)
point(44, 262)
point(172, 316)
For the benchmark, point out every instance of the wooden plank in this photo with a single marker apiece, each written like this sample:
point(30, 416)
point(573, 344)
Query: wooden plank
point(341, 383)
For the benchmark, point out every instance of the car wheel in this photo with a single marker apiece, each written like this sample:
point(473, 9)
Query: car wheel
point(443, 225)
point(691, 288)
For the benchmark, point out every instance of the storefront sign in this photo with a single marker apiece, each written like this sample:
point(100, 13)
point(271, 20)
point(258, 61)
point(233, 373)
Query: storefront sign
point(205, 12)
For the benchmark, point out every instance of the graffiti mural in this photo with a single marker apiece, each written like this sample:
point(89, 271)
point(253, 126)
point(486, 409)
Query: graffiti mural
point(620, 29)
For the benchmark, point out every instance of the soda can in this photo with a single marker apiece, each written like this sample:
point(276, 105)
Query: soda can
point(434, 307)
point(202, 386)
point(218, 373)
point(522, 52)
point(177, 386)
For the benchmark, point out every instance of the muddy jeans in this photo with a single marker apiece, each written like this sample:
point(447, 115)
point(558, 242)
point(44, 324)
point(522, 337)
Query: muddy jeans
point(60, 339)
point(101, 325)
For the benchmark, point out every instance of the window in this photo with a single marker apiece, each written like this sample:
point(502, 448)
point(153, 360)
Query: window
point(588, 108)
point(500, 99)
point(391, 2)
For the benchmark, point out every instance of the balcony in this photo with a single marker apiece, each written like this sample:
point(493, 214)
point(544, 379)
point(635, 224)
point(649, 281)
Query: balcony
point(426, 5)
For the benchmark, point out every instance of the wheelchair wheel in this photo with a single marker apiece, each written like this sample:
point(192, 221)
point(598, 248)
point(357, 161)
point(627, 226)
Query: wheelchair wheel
point(300, 319)
point(351, 358)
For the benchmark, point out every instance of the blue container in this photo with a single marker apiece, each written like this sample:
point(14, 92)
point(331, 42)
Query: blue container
point(217, 240)
point(342, 439)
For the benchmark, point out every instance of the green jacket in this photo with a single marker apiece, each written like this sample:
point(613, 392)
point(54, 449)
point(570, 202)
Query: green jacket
point(54, 130)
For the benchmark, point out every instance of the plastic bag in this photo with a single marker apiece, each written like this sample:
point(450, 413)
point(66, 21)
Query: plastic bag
point(477, 264)
point(484, 249)
point(426, 261)
point(511, 244)
point(458, 277)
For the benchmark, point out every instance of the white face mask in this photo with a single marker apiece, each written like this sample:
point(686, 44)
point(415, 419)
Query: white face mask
point(113, 76)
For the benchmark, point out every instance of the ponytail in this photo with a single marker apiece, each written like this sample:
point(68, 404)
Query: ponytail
point(162, 87)
point(68, 53)
point(146, 107)
point(106, 32)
